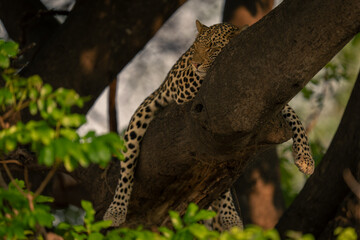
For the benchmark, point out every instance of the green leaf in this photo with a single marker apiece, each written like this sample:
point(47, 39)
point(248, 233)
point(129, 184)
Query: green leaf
point(272, 234)
point(35, 81)
point(69, 163)
point(44, 199)
point(47, 155)
point(69, 133)
point(63, 226)
point(348, 233)
point(190, 213)
point(43, 217)
point(41, 104)
point(176, 220)
point(10, 144)
point(96, 236)
point(73, 120)
point(204, 215)
point(45, 90)
point(90, 212)
point(97, 152)
point(9, 49)
point(4, 61)
point(96, 227)
point(168, 234)
point(5, 97)
point(307, 93)
point(43, 133)
point(199, 231)
point(33, 108)
point(79, 229)
point(50, 105)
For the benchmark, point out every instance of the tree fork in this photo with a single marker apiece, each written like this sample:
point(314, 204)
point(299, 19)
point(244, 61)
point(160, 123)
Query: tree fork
point(195, 151)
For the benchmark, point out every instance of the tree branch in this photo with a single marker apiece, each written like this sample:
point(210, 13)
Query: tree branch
point(213, 138)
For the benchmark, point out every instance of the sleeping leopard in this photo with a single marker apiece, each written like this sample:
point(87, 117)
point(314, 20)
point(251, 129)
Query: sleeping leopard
point(181, 85)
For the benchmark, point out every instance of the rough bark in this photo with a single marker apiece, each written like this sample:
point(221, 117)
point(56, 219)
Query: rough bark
point(96, 41)
point(212, 138)
point(324, 191)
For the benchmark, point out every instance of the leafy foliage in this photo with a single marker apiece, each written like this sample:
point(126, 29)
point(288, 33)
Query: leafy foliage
point(345, 233)
point(53, 139)
point(18, 218)
point(186, 228)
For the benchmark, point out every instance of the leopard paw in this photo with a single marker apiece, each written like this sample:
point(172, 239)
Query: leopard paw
point(116, 215)
point(305, 163)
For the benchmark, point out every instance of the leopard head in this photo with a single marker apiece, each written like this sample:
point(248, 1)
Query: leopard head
point(208, 44)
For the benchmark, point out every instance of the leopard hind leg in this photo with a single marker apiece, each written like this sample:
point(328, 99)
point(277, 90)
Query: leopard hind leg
point(227, 216)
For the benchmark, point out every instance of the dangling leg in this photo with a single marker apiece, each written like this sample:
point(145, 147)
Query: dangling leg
point(301, 148)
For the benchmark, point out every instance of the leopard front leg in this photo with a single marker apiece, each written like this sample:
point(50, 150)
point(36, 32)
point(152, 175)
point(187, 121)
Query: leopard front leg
point(118, 208)
point(301, 148)
point(133, 136)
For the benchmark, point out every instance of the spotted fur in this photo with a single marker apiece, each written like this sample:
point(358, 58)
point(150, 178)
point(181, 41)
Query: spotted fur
point(226, 217)
point(181, 85)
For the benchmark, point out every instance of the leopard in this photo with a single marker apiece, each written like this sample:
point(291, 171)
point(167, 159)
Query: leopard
point(181, 85)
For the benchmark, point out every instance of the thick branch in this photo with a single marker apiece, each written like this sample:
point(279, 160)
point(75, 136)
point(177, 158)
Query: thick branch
point(321, 196)
point(97, 40)
point(212, 138)
point(273, 60)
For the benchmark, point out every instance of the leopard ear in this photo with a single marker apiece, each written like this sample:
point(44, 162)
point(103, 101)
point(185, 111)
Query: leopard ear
point(200, 27)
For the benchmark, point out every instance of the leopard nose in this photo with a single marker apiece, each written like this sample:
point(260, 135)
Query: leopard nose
point(196, 65)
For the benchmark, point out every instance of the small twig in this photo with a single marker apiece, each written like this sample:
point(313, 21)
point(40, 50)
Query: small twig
point(12, 110)
point(2, 182)
point(351, 182)
point(26, 48)
point(13, 180)
point(104, 176)
point(11, 161)
point(45, 181)
point(26, 178)
point(3, 124)
point(40, 229)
